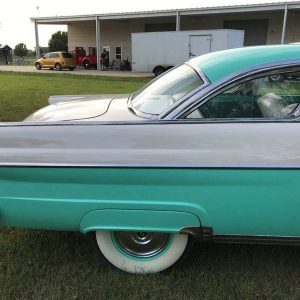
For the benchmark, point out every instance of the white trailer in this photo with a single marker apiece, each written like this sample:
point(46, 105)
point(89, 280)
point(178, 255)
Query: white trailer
point(158, 51)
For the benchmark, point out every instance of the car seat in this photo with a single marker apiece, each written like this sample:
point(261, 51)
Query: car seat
point(272, 106)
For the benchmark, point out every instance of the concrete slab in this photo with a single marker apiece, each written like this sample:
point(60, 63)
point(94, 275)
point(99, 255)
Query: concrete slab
point(77, 71)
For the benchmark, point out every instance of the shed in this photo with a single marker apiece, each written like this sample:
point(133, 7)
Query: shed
point(5, 54)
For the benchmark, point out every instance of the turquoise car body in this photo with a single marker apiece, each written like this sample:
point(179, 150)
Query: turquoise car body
point(210, 179)
point(235, 202)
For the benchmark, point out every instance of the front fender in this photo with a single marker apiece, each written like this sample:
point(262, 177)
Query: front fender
point(138, 220)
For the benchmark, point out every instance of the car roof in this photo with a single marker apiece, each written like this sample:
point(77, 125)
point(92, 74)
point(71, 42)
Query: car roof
point(217, 65)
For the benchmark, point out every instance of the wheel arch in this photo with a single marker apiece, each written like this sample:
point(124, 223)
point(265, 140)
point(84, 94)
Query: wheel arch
point(138, 220)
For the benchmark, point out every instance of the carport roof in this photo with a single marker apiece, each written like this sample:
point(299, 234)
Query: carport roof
point(266, 7)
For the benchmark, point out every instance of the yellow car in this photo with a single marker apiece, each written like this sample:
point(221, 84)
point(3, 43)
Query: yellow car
point(56, 60)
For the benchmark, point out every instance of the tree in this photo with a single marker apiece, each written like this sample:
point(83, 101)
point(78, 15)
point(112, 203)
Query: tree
point(20, 50)
point(58, 41)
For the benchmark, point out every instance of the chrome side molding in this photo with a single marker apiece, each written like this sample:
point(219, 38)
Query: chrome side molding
point(205, 234)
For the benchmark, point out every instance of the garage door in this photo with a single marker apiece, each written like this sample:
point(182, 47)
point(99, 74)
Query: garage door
point(256, 31)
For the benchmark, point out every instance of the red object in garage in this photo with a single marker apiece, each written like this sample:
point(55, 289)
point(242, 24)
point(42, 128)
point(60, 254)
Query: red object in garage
point(87, 61)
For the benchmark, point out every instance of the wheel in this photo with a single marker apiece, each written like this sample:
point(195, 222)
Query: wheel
point(57, 67)
point(276, 78)
point(86, 64)
point(141, 252)
point(38, 66)
point(72, 69)
point(158, 71)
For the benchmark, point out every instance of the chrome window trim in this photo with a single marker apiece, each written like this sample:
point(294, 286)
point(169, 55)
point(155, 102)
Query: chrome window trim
point(201, 74)
point(212, 90)
point(145, 122)
point(152, 166)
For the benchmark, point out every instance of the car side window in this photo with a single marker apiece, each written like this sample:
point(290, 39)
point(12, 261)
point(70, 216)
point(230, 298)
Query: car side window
point(54, 55)
point(275, 96)
point(47, 55)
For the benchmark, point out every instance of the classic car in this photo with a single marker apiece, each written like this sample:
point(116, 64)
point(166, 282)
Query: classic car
point(209, 151)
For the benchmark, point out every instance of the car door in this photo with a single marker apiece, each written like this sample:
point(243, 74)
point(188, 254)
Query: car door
point(46, 60)
point(250, 133)
point(54, 58)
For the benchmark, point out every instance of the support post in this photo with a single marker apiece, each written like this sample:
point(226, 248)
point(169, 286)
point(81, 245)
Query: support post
point(98, 43)
point(284, 24)
point(37, 43)
point(177, 21)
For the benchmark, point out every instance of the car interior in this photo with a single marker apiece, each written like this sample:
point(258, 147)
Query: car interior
point(258, 98)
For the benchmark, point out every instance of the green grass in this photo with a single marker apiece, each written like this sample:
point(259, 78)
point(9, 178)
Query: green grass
point(62, 265)
point(23, 93)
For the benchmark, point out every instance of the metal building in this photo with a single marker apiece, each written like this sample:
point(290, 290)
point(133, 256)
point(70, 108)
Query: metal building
point(272, 23)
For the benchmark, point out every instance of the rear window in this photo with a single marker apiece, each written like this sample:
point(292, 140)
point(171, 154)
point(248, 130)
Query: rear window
point(67, 55)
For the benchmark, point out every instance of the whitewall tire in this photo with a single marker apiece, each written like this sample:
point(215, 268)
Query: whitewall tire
point(141, 252)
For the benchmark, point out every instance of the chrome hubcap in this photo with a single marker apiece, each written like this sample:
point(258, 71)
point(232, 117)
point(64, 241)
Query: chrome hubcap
point(141, 244)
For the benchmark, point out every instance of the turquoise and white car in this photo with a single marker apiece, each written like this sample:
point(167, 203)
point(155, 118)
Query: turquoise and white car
point(209, 151)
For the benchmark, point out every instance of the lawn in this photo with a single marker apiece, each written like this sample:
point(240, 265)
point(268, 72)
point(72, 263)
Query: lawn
point(64, 265)
point(23, 93)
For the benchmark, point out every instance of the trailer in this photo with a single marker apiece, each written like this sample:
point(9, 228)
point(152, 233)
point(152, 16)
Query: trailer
point(159, 51)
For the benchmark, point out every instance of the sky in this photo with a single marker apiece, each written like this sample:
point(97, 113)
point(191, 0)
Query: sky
point(16, 26)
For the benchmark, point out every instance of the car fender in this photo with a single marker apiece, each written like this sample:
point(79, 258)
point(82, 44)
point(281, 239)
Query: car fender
point(138, 220)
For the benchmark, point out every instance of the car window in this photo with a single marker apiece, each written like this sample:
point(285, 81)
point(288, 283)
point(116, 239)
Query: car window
point(54, 55)
point(166, 90)
point(47, 55)
point(275, 96)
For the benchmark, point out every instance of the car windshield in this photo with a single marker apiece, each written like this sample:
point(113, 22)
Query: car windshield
point(162, 93)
